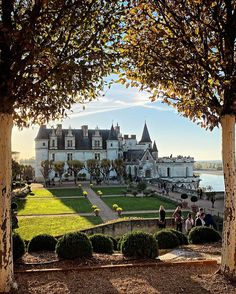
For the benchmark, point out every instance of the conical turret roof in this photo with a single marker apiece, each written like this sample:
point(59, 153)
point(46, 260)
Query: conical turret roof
point(112, 134)
point(154, 148)
point(145, 136)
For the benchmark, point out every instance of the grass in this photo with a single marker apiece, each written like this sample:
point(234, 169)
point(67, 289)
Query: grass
point(56, 192)
point(110, 190)
point(131, 203)
point(52, 206)
point(57, 225)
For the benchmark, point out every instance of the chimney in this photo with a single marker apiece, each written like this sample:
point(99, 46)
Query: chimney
point(59, 130)
point(85, 130)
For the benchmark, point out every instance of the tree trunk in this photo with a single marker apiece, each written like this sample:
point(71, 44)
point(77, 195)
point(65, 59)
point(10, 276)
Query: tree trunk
point(6, 262)
point(228, 262)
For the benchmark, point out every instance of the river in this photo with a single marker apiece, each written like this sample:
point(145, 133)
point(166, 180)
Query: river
point(211, 178)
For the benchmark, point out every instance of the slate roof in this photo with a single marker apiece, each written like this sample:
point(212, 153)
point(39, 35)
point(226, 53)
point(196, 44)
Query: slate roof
point(112, 134)
point(145, 136)
point(154, 148)
point(133, 155)
point(81, 142)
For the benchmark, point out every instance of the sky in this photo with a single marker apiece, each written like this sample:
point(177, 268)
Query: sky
point(130, 108)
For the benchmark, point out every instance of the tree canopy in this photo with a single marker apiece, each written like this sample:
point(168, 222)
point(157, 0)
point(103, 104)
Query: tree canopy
point(183, 52)
point(53, 54)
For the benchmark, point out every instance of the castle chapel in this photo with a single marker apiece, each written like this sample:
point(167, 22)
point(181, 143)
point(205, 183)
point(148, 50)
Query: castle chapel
point(140, 157)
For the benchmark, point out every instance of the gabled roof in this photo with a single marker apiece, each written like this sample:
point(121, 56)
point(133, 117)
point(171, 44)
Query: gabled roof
point(112, 134)
point(145, 136)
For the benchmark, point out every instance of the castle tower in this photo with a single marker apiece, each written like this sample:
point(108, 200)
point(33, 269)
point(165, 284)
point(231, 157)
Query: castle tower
point(112, 144)
point(41, 150)
point(146, 140)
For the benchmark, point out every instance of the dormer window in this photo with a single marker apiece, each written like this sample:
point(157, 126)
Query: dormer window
point(53, 143)
point(69, 143)
point(97, 143)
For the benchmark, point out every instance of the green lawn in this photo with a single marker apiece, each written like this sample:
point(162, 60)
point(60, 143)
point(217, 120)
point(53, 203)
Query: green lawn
point(56, 192)
point(131, 203)
point(110, 190)
point(51, 205)
point(57, 225)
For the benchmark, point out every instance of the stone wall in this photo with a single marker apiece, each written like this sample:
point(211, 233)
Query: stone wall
point(122, 227)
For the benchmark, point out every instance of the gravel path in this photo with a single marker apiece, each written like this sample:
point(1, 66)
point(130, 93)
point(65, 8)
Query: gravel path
point(159, 280)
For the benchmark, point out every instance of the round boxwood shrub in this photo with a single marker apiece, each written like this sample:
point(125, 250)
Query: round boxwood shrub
point(194, 199)
point(114, 241)
point(139, 244)
point(74, 245)
point(101, 243)
point(42, 242)
point(18, 246)
point(166, 239)
point(184, 196)
point(183, 240)
point(200, 235)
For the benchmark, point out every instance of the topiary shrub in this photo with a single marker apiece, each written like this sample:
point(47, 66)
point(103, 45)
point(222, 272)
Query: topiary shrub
point(200, 235)
point(184, 196)
point(114, 241)
point(166, 239)
point(18, 246)
point(74, 245)
point(101, 243)
point(183, 240)
point(42, 242)
point(139, 244)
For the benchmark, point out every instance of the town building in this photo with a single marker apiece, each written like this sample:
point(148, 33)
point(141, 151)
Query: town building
point(140, 157)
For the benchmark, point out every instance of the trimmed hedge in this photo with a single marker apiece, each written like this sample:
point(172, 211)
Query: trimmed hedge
point(42, 242)
point(183, 240)
point(200, 235)
point(166, 239)
point(74, 245)
point(139, 245)
point(101, 243)
point(18, 246)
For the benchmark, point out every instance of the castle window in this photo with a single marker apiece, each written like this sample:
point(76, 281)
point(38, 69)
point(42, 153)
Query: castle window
point(69, 143)
point(111, 144)
point(53, 143)
point(168, 172)
point(53, 156)
point(97, 143)
point(43, 144)
point(97, 156)
point(69, 156)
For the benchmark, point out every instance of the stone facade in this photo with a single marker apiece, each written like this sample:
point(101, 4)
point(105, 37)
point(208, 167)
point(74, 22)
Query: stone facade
point(141, 158)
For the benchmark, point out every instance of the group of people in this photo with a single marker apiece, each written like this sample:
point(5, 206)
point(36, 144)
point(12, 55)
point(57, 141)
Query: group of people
point(201, 219)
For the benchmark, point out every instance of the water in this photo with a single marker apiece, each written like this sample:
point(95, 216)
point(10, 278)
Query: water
point(216, 181)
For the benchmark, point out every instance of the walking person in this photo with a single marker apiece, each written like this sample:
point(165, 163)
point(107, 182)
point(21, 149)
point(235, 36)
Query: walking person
point(162, 217)
point(177, 215)
point(189, 223)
